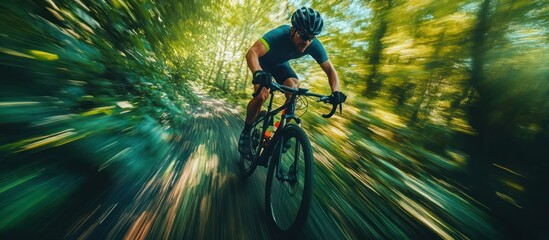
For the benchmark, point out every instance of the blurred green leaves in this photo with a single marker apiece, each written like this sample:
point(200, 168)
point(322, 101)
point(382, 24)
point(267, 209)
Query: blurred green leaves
point(447, 101)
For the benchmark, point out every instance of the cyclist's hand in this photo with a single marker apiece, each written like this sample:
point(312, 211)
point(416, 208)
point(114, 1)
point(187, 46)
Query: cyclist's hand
point(338, 97)
point(261, 77)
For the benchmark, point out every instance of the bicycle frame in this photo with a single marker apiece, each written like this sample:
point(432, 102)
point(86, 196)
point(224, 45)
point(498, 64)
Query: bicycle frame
point(263, 159)
point(283, 171)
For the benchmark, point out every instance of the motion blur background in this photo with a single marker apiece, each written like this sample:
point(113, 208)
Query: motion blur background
point(445, 133)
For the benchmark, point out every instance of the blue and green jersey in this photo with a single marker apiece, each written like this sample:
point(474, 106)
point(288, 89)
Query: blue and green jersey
point(280, 49)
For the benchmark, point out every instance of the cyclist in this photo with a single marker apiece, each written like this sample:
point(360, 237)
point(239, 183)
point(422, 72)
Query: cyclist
point(270, 55)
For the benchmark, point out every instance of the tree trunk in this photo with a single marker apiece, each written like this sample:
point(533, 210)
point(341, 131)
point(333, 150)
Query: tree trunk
point(480, 164)
point(374, 79)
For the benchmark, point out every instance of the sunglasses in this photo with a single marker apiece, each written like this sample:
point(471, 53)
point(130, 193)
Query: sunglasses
point(304, 36)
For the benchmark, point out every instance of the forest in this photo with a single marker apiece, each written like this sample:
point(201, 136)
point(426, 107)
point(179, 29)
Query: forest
point(106, 104)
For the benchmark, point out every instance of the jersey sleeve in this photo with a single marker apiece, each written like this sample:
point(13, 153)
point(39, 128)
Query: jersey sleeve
point(269, 38)
point(265, 43)
point(318, 52)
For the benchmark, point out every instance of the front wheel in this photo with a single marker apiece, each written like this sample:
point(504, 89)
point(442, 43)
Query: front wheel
point(289, 183)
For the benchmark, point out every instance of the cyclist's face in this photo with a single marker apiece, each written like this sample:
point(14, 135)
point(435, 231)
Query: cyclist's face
point(301, 40)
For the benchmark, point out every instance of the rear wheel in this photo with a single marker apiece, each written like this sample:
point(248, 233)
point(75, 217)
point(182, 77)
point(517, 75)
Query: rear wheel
point(248, 163)
point(289, 184)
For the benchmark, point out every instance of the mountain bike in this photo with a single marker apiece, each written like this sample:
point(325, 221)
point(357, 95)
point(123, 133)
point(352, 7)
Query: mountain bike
point(289, 158)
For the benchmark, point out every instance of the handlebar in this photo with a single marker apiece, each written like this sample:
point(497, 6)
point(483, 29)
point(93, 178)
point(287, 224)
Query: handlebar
point(261, 86)
point(274, 86)
point(334, 107)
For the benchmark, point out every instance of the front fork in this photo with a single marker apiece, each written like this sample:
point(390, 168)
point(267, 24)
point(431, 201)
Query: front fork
point(284, 174)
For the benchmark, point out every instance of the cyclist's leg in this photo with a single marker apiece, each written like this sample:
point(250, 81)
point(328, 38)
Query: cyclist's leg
point(252, 110)
point(285, 75)
point(254, 106)
point(293, 83)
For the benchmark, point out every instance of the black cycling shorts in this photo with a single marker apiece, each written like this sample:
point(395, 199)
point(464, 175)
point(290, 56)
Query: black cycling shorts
point(281, 72)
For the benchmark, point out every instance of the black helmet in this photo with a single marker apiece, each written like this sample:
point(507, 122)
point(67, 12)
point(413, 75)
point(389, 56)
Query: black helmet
point(308, 20)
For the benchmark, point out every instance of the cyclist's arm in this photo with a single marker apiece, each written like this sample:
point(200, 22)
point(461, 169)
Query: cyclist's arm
point(333, 78)
point(253, 55)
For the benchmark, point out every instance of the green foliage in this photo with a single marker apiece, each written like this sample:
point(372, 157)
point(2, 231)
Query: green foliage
point(443, 91)
point(449, 83)
point(110, 48)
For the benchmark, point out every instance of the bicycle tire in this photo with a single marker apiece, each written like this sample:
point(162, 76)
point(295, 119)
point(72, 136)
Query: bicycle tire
point(247, 166)
point(286, 225)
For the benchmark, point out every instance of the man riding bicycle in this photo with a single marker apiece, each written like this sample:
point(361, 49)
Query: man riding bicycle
point(270, 55)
